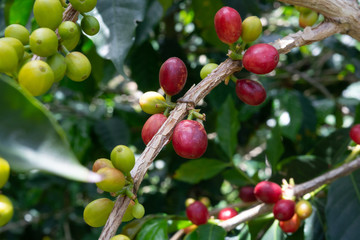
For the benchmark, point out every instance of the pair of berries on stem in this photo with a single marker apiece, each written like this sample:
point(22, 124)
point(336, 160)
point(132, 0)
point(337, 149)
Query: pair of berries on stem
point(6, 206)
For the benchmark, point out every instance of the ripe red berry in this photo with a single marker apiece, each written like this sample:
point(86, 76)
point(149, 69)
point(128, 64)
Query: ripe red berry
point(228, 25)
point(246, 194)
point(189, 139)
point(292, 225)
point(197, 213)
point(172, 76)
point(250, 92)
point(151, 126)
point(227, 213)
point(268, 192)
point(355, 133)
point(284, 209)
point(261, 58)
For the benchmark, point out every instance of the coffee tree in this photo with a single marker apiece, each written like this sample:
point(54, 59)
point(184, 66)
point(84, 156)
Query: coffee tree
point(179, 119)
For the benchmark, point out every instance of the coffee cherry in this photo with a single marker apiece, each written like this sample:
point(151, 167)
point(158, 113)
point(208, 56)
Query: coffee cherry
point(43, 42)
point(152, 102)
point(6, 210)
point(138, 210)
point(151, 126)
point(228, 25)
point(290, 226)
point(37, 77)
point(113, 179)
point(4, 172)
point(90, 25)
point(71, 42)
point(307, 19)
point(303, 209)
point(78, 67)
point(303, 10)
point(97, 212)
point(205, 201)
point(101, 163)
point(261, 58)
point(197, 213)
point(122, 158)
point(355, 133)
point(227, 213)
point(68, 30)
point(284, 209)
point(268, 192)
point(207, 69)
point(128, 213)
point(189, 201)
point(246, 194)
point(48, 13)
point(189, 139)
point(251, 29)
point(19, 32)
point(58, 65)
point(250, 92)
point(83, 6)
point(16, 44)
point(120, 237)
point(172, 76)
point(8, 58)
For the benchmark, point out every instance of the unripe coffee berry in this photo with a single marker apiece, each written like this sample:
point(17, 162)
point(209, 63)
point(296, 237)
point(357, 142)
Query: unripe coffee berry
point(6, 210)
point(48, 13)
point(228, 25)
point(8, 58)
point(43, 42)
point(308, 19)
point(101, 163)
point(120, 237)
point(138, 210)
point(113, 179)
point(16, 44)
point(207, 69)
point(251, 29)
point(197, 213)
point(152, 102)
point(172, 76)
point(122, 158)
point(19, 32)
point(128, 213)
point(268, 192)
point(58, 65)
point(90, 25)
point(227, 213)
point(303, 209)
point(206, 201)
point(250, 92)
point(4, 172)
point(284, 209)
point(68, 30)
point(152, 126)
point(290, 226)
point(83, 6)
point(78, 67)
point(261, 58)
point(246, 194)
point(97, 212)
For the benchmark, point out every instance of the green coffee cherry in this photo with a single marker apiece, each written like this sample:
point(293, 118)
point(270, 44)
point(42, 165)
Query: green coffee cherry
point(120, 237)
point(6, 210)
point(4, 172)
point(43, 42)
point(8, 58)
point(58, 65)
point(251, 29)
point(113, 179)
point(83, 6)
point(207, 69)
point(72, 38)
point(16, 44)
point(97, 212)
point(303, 10)
point(68, 30)
point(90, 25)
point(101, 163)
point(138, 210)
point(78, 67)
point(152, 102)
point(122, 158)
point(307, 19)
point(128, 213)
point(48, 13)
point(19, 32)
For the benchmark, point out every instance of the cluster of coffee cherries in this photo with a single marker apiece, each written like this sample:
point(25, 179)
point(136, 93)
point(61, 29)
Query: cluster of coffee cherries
point(50, 42)
point(117, 181)
point(285, 209)
point(259, 58)
point(189, 138)
point(6, 206)
point(307, 17)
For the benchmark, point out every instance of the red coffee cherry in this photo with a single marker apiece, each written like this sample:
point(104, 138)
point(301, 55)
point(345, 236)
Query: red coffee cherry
point(261, 58)
point(303, 209)
point(172, 76)
point(250, 92)
point(268, 192)
point(290, 226)
point(284, 209)
point(151, 126)
point(355, 133)
point(189, 139)
point(228, 25)
point(227, 213)
point(246, 194)
point(197, 213)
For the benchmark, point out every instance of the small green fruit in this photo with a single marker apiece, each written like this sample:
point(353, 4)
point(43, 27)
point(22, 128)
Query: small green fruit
point(120, 237)
point(152, 102)
point(16, 44)
point(72, 38)
point(44, 42)
point(303, 209)
point(101, 163)
point(128, 213)
point(6, 210)
point(58, 65)
point(4, 172)
point(8, 58)
point(308, 19)
point(78, 67)
point(207, 69)
point(68, 30)
point(138, 210)
point(303, 10)
point(122, 158)
point(97, 212)
point(90, 25)
point(251, 29)
point(19, 32)
point(48, 13)
point(113, 179)
point(83, 6)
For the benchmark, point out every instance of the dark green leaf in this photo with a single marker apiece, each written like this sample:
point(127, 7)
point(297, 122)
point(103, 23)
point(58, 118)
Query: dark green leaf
point(257, 225)
point(132, 228)
point(194, 171)
point(274, 146)
point(207, 232)
point(30, 137)
point(234, 177)
point(20, 11)
point(227, 127)
point(154, 229)
point(274, 232)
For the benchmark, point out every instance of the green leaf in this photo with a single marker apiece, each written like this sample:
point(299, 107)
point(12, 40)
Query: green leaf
point(274, 232)
point(154, 229)
point(30, 137)
point(194, 171)
point(132, 228)
point(274, 146)
point(227, 127)
point(20, 11)
point(343, 208)
point(207, 232)
point(234, 177)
